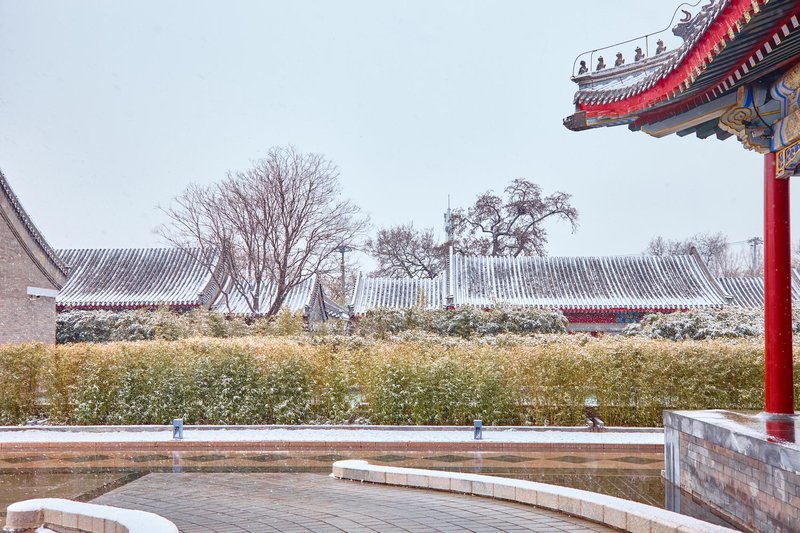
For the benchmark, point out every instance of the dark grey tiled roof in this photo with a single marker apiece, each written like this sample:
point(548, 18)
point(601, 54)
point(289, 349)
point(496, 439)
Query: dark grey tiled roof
point(133, 277)
point(30, 228)
point(335, 309)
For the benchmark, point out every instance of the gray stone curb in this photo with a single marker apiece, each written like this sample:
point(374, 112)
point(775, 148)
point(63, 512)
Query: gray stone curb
point(615, 512)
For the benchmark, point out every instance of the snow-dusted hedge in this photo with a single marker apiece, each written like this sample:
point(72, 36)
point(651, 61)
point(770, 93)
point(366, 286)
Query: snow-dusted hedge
point(205, 381)
point(20, 369)
point(409, 378)
point(700, 324)
point(462, 322)
point(110, 326)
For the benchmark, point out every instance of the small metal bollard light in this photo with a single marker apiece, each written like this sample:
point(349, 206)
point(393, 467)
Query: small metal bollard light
point(177, 429)
point(478, 426)
point(592, 413)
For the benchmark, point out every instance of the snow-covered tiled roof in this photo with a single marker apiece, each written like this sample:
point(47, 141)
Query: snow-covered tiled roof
point(626, 282)
point(335, 309)
point(749, 291)
point(374, 293)
point(617, 83)
point(133, 277)
point(727, 44)
point(295, 301)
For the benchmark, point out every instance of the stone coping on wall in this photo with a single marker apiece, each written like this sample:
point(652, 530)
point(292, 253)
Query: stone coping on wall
point(608, 510)
point(772, 439)
point(744, 466)
point(66, 515)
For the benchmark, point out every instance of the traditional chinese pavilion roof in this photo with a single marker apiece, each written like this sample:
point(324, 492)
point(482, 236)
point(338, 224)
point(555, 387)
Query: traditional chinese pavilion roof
point(296, 301)
point(749, 291)
point(129, 278)
point(29, 237)
point(374, 293)
point(727, 44)
point(586, 283)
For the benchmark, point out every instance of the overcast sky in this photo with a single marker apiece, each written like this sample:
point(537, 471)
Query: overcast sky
point(108, 109)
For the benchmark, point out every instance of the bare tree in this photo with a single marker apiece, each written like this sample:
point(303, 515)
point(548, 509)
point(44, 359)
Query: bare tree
point(511, 225)
point(330, 275)
point(713, 248)
point(406, 252)
point(272, 226)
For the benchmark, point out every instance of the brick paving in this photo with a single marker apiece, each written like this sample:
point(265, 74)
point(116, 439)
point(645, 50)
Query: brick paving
point(236, 502)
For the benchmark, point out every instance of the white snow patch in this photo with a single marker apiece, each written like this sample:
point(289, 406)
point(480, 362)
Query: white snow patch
point(335, 435)
point(135, 521)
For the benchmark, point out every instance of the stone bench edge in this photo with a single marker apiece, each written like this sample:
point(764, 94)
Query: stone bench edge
point(608, 510)
point(27, 515)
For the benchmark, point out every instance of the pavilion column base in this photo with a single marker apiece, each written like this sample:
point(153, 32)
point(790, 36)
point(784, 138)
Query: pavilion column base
point(743, 467)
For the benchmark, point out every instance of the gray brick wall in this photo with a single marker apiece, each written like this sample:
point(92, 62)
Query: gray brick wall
point(750, 483)
point(21, 318)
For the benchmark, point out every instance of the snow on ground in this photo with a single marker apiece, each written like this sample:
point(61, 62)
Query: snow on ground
point(131, 519)
point(334, 435)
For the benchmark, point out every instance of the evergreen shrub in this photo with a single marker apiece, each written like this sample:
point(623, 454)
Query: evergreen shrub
point(463, 322)
point(164, 324)
point(20, 366)
point(699, 324)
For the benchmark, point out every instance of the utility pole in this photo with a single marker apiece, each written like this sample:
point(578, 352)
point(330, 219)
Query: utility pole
point(754, 243)
point(448, 222)
point(449, 231)
point(343, 249)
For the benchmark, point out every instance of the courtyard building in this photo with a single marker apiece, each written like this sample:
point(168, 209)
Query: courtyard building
point(136, 278)
point(596, 294)
point(31, 274)
point(307, 298)
point(748, 291)
point(147, 278)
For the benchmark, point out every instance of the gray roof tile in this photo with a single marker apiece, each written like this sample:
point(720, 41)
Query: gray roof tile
point(133, 277)
point(626, 282)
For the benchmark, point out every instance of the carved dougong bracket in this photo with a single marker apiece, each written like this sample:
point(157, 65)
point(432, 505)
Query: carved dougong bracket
point(787, 92)
point(786, 139)
point(768, 124)
point(747, 121)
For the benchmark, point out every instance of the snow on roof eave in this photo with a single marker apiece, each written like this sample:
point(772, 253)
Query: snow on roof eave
point(57, 274)
point(727, 21)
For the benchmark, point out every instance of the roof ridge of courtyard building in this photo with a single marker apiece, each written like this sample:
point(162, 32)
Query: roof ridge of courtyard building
point(587, 256)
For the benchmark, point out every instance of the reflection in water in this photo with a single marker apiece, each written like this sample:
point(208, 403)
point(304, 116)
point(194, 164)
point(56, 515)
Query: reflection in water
point(781, 430)
point(84, 476)
point(679, 502)
point(82, 484)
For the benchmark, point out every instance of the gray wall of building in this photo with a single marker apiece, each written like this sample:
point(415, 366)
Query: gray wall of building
point(22, 319)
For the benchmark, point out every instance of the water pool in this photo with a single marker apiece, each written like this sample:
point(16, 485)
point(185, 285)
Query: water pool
point(86, 475)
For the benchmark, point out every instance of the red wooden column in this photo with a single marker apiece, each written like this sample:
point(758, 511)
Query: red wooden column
point(778, 378)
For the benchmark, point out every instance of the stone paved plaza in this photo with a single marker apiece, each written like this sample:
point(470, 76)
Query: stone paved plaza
point(200, 502)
